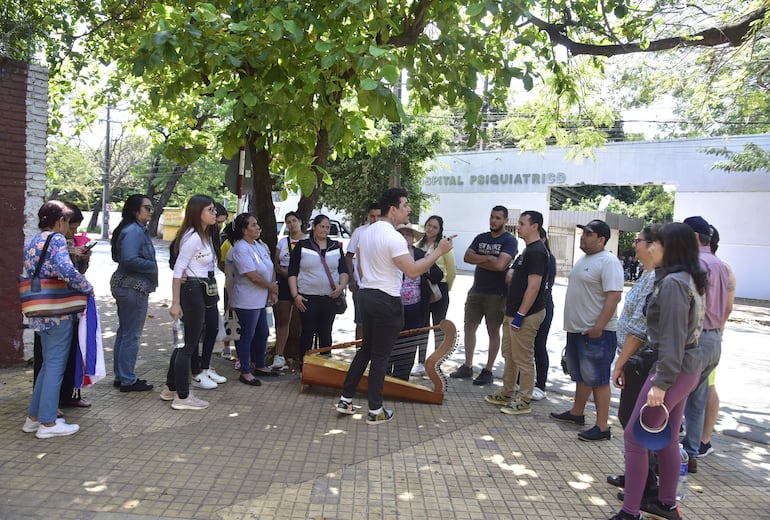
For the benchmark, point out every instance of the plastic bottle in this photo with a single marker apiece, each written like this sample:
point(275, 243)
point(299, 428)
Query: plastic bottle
point(681, 485)
point(177, 331)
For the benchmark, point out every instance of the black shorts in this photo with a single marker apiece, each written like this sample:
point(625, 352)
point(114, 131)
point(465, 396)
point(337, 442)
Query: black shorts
point(284, 293)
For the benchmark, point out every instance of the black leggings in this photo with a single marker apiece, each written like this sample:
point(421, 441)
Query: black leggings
point(196, 316)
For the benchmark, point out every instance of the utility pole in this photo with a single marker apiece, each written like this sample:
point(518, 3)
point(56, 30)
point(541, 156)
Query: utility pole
point(106, 181)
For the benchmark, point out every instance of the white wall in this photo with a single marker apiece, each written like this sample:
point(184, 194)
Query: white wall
point(467, 185)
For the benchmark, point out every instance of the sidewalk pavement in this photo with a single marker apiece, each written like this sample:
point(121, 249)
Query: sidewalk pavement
point(272, 452)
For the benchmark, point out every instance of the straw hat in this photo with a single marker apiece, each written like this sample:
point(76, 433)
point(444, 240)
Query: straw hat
point(414, 228)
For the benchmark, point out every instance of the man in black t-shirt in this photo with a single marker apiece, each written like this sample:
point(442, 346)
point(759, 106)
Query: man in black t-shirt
point(524, 312)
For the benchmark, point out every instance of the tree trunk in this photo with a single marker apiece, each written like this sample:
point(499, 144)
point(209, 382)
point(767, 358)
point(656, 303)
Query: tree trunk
point(91, 228)
point(164, 197)
point(264, 209)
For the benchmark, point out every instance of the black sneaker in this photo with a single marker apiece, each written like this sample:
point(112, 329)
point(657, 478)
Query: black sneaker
point(484, 378)
point(622, 515)
point(140, 385)
point(656, 509)
point(462, 372)
point(384, 416)
point(705, 449)
point(617, 480)
point(595, 434)
point(568, 417)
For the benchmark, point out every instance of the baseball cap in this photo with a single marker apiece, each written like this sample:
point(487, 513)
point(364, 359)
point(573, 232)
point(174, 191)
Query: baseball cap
point(597, 226)
point(652, 438)
point(699, 225)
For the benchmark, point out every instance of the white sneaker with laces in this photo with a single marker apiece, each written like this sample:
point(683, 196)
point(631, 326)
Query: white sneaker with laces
point(59, 429)
point(538, 395)
point(31, 426)
point(419, 370)
point(167, 395)
point(279, 363)
point(212, 374)
point(189, 403)
point(203, 381)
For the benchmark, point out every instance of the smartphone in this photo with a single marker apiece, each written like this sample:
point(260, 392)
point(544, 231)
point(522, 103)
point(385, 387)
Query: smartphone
point(89, 246)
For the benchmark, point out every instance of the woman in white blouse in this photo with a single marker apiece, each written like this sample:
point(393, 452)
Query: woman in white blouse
point(194, 301)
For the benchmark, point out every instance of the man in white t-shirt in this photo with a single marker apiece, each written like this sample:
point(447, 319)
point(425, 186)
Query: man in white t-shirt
point(383, 258)
point(373, 215)
point(593, 293)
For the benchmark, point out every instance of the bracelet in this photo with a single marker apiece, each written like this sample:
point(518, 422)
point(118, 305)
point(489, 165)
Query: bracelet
point(295, 297)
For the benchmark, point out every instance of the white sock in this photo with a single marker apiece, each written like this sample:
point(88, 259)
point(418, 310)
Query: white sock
point(377, 411)
point(346, 399)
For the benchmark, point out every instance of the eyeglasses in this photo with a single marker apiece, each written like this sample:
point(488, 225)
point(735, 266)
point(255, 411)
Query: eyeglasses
point(637, 240)
point(148, 208)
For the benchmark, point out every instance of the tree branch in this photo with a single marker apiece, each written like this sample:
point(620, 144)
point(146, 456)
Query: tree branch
point(734, 34)
point(412, 30)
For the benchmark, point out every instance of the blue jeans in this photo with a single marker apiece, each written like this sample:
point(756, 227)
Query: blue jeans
point(252, 345)
point(383, 318)
point(132, 311)
point(710, 343)
point(56, 350)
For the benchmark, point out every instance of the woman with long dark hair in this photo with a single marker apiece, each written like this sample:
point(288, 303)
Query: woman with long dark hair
point(310, 287)
point(541, 338)
point(194, 301)
point(434, 232)
point(283, 308)
point(674, 322)
point(131, 284)
point(56, 331)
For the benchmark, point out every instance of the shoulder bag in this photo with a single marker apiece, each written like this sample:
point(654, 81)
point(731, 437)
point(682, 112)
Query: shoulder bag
point(341, 302)
point(46, 297)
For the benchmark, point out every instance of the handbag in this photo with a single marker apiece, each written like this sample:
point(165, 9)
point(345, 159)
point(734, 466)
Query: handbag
point(44, 297)
point(340, 302)
point(231, 326)
point(642, 360)
point(435, 292)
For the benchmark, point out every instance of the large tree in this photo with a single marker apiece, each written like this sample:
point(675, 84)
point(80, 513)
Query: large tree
point(308, 79)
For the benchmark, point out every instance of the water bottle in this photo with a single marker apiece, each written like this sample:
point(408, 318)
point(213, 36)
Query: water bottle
point(177, 332)
point(681, 485)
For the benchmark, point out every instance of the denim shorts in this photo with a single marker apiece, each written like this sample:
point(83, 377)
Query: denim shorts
point(589, 360)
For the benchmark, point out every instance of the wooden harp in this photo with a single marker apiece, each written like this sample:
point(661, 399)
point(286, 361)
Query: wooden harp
point(322, 371)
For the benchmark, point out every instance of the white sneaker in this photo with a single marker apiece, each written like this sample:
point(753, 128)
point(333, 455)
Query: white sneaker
point(227, 353)
point(189, 403)
point(537, 394)
point(59, 429)
point(279, 363)
point(419, 370)
point(167, 395)
point(203, 381)
point(30, 426)
point(212, 374)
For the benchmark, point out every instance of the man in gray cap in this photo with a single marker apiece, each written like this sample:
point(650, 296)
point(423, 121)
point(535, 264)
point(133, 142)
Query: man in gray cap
point(593, 293)
point(710, 341)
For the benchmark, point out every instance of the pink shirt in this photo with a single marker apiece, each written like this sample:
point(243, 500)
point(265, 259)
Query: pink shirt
point(716, 293)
